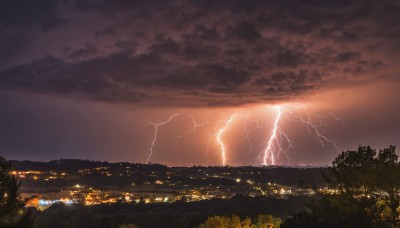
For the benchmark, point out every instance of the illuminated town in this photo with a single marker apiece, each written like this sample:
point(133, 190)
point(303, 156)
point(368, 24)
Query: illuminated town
point(106, 183)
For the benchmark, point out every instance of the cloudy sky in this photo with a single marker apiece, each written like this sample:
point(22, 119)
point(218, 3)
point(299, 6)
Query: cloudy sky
point(90, 78)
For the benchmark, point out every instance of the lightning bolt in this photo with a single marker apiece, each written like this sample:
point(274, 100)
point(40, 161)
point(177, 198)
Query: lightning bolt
point(270, 150)
point(302, 115)
point(196, 125)
point(274, 146)
point(219, 139)
point(156, 125)
point(193, 129)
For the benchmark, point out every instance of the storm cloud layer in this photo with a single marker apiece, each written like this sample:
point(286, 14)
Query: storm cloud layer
point(86, 78)
point(196, 53)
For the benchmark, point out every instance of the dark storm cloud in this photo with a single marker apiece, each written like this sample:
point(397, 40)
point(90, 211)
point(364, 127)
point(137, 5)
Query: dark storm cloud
point(87, 78)
point(22, 13)
point(289, 82)
point(247, 31)
point(202, 76)
point(201, 52)
point(110, 7)
point(11, 44)
point(85, 52)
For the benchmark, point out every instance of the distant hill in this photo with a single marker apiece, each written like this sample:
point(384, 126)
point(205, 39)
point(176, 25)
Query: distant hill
point(293, 176)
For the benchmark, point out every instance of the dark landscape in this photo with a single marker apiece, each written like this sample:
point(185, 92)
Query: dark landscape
point(199, 113)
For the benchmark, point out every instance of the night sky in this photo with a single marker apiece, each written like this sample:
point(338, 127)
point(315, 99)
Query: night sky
point(87, 78)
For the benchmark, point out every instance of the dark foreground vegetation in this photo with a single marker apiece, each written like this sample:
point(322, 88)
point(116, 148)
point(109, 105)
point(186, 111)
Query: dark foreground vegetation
point(365, 192)
point(178, 214)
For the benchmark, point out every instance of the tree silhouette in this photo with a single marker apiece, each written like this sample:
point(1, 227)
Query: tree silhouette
point(366, 192)
point(262, 221)
point(11, 208)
